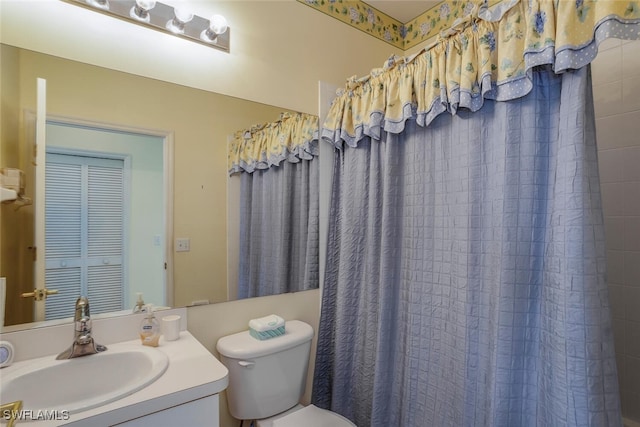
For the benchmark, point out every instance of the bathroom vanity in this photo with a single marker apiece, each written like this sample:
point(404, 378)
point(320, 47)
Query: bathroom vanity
point(183, 392)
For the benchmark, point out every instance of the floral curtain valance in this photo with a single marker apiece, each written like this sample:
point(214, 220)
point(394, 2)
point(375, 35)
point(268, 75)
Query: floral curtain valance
point(488, 54)
point(293, 137)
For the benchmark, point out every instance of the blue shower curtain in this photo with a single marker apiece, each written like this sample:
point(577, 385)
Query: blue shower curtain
point(279, 229)
point(465, 278)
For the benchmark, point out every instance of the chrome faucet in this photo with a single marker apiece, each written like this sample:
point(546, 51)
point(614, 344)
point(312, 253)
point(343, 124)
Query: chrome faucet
point(83, 343)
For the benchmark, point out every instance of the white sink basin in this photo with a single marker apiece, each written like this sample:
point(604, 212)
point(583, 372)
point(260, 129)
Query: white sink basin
point(82, 383)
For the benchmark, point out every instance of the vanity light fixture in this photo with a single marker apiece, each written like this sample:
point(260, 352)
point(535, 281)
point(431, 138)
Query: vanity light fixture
point(214, 32)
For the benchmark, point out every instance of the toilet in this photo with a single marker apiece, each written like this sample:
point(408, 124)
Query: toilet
point(267, 379)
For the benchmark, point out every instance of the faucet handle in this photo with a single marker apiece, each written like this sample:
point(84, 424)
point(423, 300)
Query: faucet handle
point(83, 324)
point(82, 320)
point(11, 412)
point(83, 343)
point(82, 308)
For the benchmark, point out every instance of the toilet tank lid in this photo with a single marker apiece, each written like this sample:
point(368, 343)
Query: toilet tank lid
point(242, 345)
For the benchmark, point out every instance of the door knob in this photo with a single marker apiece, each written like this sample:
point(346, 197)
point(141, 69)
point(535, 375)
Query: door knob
point(39, 294)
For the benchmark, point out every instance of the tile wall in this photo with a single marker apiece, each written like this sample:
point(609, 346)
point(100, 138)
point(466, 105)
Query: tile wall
point(616, 87)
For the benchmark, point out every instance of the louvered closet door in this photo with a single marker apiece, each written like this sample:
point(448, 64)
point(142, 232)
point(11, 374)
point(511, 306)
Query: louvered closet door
point(63, 237)
point(84, 233)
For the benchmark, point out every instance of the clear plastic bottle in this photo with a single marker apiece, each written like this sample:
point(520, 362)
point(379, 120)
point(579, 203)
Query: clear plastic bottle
point(139, 307)
point(149, 328)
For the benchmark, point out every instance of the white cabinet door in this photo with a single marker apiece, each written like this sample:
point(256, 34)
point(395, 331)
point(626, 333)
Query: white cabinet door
point(198, 413)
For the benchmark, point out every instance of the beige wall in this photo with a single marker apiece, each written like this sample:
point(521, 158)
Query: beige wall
point(279, 49)
point(616, 86)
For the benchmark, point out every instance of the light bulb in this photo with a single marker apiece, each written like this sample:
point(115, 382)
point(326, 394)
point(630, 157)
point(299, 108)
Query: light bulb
point(140, 10)
point(146, 5)
point(183, 15)
point(176, 25)
point(218, 24)
point(100, 4)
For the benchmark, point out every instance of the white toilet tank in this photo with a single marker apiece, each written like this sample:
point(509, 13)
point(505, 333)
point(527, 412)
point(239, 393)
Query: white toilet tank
point(266, 377)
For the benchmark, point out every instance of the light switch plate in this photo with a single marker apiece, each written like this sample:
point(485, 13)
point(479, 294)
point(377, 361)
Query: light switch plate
point(183, 244)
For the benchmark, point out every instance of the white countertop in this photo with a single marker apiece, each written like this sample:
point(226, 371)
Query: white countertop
point(193, 373)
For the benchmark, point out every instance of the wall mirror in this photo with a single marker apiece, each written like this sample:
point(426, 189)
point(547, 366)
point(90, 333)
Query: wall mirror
point(86, 102)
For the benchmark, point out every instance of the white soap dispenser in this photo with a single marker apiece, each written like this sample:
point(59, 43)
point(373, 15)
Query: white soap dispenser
point(149, 328)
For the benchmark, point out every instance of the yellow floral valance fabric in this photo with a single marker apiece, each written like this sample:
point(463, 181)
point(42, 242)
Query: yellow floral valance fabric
point(293, 137)
point(488, 54)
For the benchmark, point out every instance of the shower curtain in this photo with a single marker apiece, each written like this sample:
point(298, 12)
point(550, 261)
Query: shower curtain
point(465, 271)
point(279, 197)
point(465, 274)
point(279, 230)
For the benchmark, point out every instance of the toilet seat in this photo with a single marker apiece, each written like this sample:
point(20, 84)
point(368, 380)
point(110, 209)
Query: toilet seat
point(312, 416)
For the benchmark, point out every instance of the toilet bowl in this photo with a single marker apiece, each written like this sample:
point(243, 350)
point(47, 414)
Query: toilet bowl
point(312, 416)
point(267, 379)
point(306, 416)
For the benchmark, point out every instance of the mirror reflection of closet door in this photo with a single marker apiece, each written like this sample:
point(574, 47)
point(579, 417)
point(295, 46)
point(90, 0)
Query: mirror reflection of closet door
point(86, 212)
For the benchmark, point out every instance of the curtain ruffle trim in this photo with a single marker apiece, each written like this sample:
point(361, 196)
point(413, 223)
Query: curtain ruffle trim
point(292, 138)
point(486, 55)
